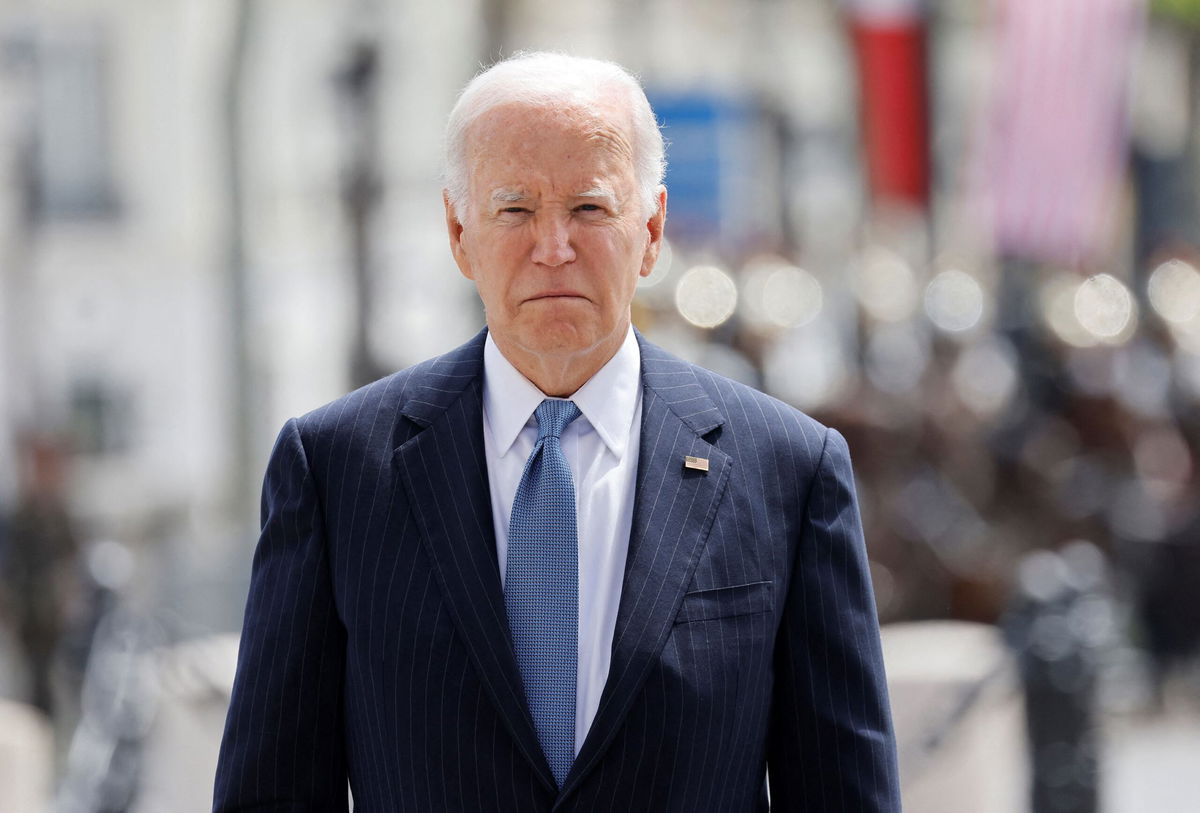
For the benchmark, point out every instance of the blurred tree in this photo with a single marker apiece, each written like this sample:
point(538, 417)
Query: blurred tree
point(1187, 11)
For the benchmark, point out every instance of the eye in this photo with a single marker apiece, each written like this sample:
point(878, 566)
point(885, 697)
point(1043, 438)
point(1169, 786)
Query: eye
point(589, 207)
point(511, 210)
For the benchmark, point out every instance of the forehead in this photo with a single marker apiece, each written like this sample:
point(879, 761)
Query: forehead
point(518, 144)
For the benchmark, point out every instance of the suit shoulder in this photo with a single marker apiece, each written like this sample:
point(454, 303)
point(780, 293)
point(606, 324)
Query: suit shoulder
point(380, 402)
point(764, 418)
point(742, 403)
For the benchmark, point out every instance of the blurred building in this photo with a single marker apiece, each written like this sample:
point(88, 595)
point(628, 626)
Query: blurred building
point(167, 337)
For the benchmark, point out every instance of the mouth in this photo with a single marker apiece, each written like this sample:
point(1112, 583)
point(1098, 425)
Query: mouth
point(556, 295)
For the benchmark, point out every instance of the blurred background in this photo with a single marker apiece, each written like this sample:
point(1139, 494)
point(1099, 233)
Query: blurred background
point(964, 232)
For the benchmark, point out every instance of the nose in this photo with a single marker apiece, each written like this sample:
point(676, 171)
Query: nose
point(552, 241)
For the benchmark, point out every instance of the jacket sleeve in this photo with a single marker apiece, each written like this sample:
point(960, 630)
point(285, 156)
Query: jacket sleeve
point(831, 744)
point(283, 745)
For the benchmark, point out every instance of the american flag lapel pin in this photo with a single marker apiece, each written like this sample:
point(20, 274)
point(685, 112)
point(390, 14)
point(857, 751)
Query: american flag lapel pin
point(696, 463)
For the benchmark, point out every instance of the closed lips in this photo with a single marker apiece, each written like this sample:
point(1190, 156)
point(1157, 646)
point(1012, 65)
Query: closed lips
point(554, 294)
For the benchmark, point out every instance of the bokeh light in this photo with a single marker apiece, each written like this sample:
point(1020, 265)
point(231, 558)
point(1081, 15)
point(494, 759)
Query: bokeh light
point(706, 296)
point(1088, 312)
point(753, 285)
point(791, 297)
point(954, 301)
point(1174, 293)
point(808, 366)
point(1056, 300)
point(1105, 308)
point(777, 294)
point(985, 376)
point(1174, 290)
point(885, 285)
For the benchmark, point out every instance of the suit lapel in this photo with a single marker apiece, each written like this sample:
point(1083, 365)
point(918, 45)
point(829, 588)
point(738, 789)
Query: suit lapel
point(673, 513)
point(445, 473)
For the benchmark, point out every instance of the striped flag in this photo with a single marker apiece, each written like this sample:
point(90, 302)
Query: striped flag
point(1057, 126)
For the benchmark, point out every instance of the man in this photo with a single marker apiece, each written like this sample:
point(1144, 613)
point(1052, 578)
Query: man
point(557, 568)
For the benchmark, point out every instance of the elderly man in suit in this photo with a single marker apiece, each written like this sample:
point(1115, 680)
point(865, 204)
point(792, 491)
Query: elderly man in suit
point(558, 569)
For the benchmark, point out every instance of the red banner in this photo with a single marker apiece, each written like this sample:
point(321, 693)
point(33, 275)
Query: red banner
point(894, 106)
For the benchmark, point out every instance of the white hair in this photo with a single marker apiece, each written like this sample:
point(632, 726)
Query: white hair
point(547, 80)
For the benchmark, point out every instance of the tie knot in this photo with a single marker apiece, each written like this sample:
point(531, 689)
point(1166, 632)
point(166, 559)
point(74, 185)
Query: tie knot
point(553, 417)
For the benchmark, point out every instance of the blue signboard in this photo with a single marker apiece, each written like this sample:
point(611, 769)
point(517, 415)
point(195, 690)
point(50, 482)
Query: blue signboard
point(706, 152)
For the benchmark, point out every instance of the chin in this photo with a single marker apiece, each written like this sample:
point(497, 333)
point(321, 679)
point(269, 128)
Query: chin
point(561, 339)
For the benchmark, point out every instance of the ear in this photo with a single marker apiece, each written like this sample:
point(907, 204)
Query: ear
point(654, 228)
point(454, 228)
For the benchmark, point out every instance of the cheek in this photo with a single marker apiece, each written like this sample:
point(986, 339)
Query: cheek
point(504, 250)
point(489, 258)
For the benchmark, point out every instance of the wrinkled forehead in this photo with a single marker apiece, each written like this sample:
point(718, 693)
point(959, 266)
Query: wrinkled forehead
point(521, 129)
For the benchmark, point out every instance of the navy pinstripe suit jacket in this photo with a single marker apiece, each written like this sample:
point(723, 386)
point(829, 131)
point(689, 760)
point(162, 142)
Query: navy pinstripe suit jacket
point(375, 644)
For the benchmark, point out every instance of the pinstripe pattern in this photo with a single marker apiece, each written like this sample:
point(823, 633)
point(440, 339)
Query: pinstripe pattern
point(376, 646)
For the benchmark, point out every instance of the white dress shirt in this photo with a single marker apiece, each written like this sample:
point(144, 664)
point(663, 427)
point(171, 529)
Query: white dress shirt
point(601, 447)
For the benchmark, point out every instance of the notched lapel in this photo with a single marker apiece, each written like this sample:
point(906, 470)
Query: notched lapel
point(445, 474)
point(674, 509)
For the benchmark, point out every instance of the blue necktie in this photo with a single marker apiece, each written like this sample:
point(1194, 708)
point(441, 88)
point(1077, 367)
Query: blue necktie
point(541, 586)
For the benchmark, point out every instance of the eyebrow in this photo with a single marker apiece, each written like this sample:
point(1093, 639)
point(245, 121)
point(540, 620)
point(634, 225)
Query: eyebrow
point(508, 196)
point(514, 196)
point(607, 196)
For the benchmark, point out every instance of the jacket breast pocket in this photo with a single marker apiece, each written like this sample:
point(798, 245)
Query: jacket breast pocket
point(720, 644)
point(725, 602)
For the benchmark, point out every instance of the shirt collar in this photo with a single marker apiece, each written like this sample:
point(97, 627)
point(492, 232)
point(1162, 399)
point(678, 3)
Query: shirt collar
point(608, 400)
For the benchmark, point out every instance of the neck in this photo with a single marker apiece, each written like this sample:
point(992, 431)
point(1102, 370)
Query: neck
point(561, 375)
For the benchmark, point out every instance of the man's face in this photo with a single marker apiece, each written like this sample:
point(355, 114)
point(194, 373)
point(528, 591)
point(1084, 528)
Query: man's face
point(554, 232)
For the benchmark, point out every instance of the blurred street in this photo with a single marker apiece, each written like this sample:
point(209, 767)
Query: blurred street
point(1151, 762)
point(1148, 763)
